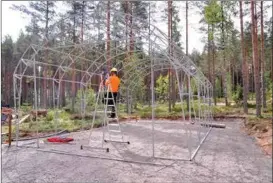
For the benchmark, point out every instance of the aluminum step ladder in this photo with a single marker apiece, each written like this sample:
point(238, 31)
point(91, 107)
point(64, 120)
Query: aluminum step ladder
point(111, 126)
point(114, 131)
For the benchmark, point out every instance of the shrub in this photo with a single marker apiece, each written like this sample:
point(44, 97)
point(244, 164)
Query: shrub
point(50, 116)
point(90, 100)
point(238, 95)
point(177, 108)
point(161, 88)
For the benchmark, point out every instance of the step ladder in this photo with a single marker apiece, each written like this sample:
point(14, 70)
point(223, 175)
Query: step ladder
point(111, 126)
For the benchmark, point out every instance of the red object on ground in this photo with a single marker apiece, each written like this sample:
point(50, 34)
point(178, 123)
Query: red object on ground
point(60, 139)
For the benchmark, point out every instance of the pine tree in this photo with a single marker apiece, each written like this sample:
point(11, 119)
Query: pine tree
point(213, 16)
point(244, 63)
point(255, 58)
point(75, 13)
point(171, 15)
point(41, 12)
point(263, 87)
point(6, 68)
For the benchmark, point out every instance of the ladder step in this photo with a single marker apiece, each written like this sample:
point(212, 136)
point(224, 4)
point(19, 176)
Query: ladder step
point(111, 105)
point(112, 119)
point(113, 124)
point(115, 131)
point(104, 111)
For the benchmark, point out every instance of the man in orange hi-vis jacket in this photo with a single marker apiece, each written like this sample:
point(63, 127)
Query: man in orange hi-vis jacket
point(114, 82)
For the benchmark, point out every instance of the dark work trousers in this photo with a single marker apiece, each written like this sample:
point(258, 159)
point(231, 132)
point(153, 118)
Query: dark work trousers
point(110, 102)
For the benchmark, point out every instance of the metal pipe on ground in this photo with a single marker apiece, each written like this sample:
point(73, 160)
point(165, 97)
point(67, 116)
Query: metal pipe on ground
point(213, 125)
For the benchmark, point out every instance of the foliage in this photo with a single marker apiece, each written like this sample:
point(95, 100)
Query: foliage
point(176, 32)
point(229, 87)
point(213, 14)
point(90, 100)
point(26, 107)
point(238, 95)
point(161, 89)
point(196, 57)
point(40, 12)
point(7, 65)
point(176, 35)
point(218, 87)
point(89, 95)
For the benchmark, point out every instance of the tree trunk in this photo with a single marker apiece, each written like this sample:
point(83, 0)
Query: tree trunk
point(131, 31)
point(209, 63)
point(272, 63)
point(213, 66)
point(244, 65)
point(51, 99)
point(224, 75)
point(7, 87)
point(83, 5)
point(263, 87)
point(25, 86)
point(126, 23)
point(46, 58)
point(255, 59)
point(82, 64)
point(108, 36)
point(73, 64)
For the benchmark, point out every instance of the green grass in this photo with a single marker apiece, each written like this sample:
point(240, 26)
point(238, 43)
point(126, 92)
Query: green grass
point(161, 111)
point(49, 125)
point(67, 122)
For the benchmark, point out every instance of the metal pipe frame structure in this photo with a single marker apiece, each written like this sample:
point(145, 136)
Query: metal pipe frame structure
point(148, 61)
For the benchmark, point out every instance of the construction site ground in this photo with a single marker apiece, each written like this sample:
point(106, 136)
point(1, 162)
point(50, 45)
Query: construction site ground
point(227, 155)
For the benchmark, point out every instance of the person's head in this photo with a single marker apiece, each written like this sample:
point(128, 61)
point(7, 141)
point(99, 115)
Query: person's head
point(113, 71)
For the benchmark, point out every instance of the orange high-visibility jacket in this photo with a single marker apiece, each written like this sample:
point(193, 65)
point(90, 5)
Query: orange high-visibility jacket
point(114, 82)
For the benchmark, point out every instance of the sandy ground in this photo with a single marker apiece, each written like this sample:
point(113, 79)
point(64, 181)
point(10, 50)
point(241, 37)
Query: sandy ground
point(227, 155)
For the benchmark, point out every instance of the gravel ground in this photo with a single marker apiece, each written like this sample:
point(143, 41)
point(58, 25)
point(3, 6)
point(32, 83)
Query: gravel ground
point(227, 155)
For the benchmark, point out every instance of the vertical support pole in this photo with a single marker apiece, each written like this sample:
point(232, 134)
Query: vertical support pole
point(100, 95)
point(152, 84)
point(188, 129)
point(82, 89)
point(189, 110)
point(58, 96)
point(181, 94)
point(169, 49)
point(210, 107)
point(180, 90)
point(17, 103)
point(209, 101)
point(57, 101)
point(199, 103)
point(35, 101)
point(16, 109)
point(127, 99)
point(189, 95)
point(54, 105)
point(205, 103)
point(59, 92)
point(9, 121)
point(81, 105)
point(199, 110)
point(153, 111)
